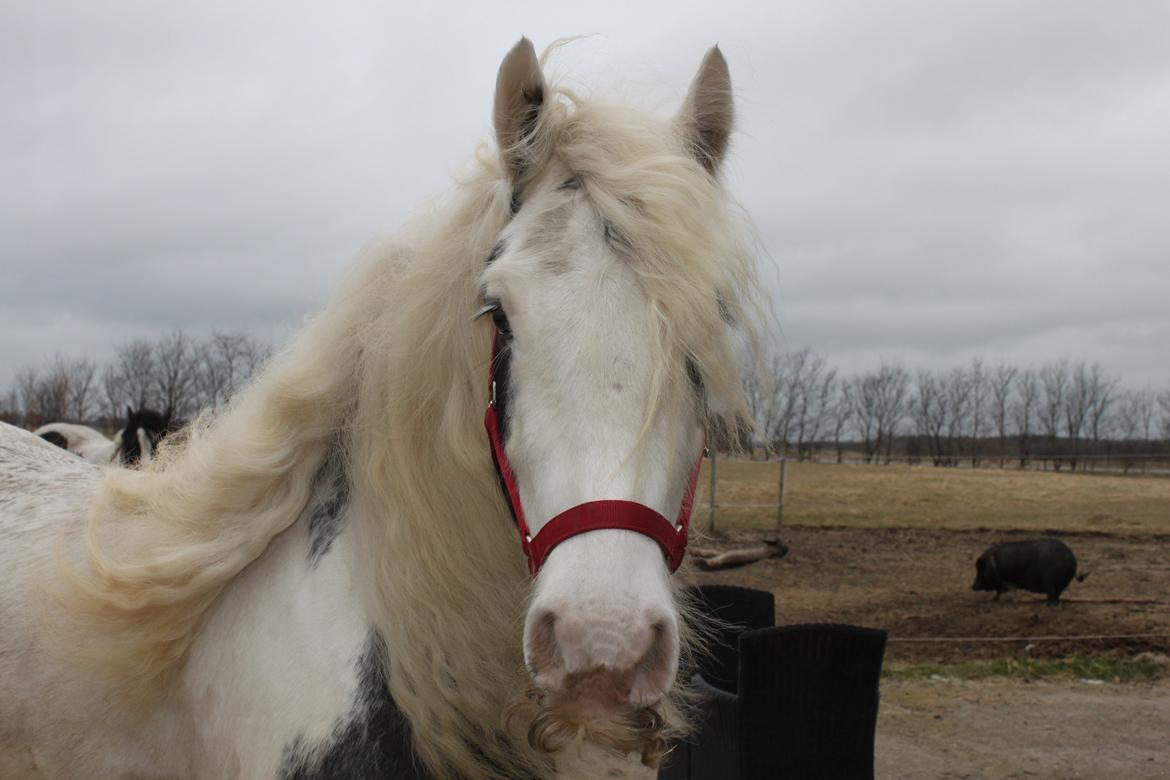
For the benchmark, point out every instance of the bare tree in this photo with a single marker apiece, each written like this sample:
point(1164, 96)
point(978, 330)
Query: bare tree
point(44, 394)
point(135, 364)
point(1134, 420)
point(1102, 394)
point(823, 412)
point(174, 373)
point(879, 404)
point(894, 392)
point(958, 400)
point(1024, 411)
point(10, 408)
point(977, 379)
point(113, 395)
point(1000, 383)
point(25, 390)
point(863, 396)
point(1076, 408)
point(1164, 405)
point(811, 384)
point(1054, 382)
point(82, 380)
point(759, 384)
point(929, 412)
point(841, 416)
point(789, 373)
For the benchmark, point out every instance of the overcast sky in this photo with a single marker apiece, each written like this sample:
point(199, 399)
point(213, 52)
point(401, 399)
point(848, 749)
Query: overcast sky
point(933, 181)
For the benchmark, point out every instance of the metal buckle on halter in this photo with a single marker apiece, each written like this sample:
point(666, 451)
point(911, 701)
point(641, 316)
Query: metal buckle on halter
point(492, 398)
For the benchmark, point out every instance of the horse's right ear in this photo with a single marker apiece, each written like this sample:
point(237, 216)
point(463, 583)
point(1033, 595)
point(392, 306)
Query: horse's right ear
point(519, 100)
point(708, 112)
point(129, 411)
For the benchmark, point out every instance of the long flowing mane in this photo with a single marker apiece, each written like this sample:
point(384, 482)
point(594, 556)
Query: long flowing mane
point(391, 375)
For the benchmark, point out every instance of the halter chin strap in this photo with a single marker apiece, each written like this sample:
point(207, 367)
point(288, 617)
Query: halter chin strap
point(590, 516)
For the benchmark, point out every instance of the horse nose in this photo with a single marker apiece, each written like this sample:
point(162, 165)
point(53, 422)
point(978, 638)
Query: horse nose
point(598, 662)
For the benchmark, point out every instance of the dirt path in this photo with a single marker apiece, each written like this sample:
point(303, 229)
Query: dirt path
point(1003, 729)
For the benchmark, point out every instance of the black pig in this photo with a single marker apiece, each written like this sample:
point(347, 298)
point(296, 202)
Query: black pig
point(1038, 565)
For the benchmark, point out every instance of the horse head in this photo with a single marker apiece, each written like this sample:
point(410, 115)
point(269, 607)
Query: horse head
point(612, 350)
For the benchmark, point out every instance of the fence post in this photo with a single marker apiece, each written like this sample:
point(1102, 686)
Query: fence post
point(780, 503)
point(711, 495)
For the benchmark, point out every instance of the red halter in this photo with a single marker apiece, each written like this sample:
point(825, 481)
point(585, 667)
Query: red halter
point(590, 516)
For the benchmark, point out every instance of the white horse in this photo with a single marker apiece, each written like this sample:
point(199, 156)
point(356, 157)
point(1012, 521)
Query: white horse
point(134, 445)
point(327, 580)
point(86, 443)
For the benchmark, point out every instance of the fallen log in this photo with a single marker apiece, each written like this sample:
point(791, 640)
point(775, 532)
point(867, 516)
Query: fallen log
point(772, 548)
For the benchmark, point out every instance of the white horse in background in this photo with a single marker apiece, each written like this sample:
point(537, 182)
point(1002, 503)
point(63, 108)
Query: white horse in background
point(326, 581)
point(133, 446)
point(87, 443)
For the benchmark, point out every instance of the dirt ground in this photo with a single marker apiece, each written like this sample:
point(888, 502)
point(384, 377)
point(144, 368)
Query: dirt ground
point(934, 729)
point(915, 584)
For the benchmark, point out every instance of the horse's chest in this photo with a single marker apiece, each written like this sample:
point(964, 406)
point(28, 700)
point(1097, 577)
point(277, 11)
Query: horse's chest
point(285, 680)
point(372, 740)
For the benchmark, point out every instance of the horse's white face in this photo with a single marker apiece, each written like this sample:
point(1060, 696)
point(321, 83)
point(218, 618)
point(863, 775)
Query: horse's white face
point(602, 631)
point(583, 418)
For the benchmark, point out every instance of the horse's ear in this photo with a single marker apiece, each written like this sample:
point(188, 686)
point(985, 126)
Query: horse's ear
point(129, 411)
point(519, 100)
point(706, 117)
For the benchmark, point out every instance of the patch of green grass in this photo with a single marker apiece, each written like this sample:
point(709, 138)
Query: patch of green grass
point(1073, 667)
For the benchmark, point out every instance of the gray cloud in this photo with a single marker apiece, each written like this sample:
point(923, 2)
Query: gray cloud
point(935, 181)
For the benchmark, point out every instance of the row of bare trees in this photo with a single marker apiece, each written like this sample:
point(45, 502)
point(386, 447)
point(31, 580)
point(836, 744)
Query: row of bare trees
point(175, 372)
point(1058, 411)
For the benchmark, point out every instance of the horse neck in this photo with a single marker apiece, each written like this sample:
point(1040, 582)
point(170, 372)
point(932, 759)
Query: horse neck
point(445, 586)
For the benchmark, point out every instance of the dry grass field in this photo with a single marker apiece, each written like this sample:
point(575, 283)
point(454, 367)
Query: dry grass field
point(900, 496)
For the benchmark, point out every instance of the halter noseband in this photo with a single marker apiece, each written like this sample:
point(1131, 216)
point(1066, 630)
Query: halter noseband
point(590, 516)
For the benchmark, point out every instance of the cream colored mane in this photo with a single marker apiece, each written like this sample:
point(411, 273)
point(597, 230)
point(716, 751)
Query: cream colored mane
point(392, 372)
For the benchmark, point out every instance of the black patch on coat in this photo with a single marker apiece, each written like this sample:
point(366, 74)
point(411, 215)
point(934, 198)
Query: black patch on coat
point(514, 203)
point(329, 501)
point(373, 741)
point(52, 437)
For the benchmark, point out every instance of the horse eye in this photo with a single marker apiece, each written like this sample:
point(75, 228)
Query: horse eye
point(493, 307)
point(501, 321)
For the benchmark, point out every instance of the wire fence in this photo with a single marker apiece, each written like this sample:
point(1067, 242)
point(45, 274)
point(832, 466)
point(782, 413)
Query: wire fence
point(1150, 463)
point(1155, 465)
point(1077, 638)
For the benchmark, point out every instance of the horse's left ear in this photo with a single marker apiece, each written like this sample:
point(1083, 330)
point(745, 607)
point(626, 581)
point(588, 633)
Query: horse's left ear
point(706, 117)
point(519, 101)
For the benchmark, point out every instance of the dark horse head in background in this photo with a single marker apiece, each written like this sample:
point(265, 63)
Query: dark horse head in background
point(154, 425)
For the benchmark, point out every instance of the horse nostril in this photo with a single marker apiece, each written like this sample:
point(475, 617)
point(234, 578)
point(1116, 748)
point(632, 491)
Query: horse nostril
point(542, 643)
point(649, 661)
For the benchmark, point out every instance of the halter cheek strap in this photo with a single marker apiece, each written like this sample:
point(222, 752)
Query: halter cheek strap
point(591, 515)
